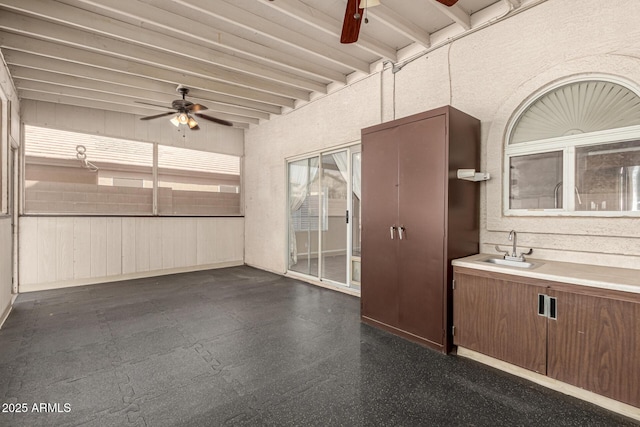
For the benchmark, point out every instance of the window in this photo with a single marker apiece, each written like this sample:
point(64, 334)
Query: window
point(575, 150)
point(197, 183)
point(68, 172)
point(609, 177)
point(74, 173)
point(535, 181)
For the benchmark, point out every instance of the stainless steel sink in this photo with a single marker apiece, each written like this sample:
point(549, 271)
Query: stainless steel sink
point(509, 263)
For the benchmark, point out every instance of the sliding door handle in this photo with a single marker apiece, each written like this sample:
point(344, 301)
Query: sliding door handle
point(401, 232)
point(392, 230)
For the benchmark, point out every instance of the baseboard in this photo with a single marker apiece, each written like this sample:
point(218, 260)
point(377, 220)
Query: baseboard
point(543, 380)
point(404, 334)
point(6, 313)
point(106, 279)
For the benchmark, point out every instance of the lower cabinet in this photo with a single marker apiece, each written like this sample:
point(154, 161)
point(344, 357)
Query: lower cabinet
point(594, 343)
point(498, 316)
point(586, 337)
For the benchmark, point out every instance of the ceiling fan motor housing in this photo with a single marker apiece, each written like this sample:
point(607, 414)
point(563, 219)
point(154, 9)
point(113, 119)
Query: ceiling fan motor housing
point(181, 104)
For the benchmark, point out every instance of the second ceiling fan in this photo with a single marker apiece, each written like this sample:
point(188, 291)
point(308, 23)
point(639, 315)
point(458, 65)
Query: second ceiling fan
point(353, 18)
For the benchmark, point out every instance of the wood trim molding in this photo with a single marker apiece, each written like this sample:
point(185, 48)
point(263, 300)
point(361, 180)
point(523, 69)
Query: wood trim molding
point(543, 380)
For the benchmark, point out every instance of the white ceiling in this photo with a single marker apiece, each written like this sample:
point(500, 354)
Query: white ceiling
point(246, 60)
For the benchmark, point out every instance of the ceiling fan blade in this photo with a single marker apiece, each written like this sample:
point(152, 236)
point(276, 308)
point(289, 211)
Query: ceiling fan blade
point(155, 105)
point(213, 119)
point(447, 2)
point(157, 116)
point(196, 107)
point(352, 22)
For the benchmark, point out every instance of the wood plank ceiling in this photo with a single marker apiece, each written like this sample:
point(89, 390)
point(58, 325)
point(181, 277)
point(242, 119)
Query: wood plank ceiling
point(246, 60)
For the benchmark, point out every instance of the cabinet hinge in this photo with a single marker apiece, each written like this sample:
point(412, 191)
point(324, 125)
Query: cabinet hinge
point(453, 331)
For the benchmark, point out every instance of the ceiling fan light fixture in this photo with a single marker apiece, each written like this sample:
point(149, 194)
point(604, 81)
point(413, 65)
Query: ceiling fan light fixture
point(183, 118)
point(369, 3)
point(174, 120)
point(192, 122)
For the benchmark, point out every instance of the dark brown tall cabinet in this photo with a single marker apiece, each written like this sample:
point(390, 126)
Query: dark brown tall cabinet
point(416, 217)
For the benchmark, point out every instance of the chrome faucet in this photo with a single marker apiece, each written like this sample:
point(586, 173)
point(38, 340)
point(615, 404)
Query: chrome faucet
point(513, 237)
point(513, 256)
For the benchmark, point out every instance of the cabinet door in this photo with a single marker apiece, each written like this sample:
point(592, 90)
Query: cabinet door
point(500, 318)
point(379, 286)
point(421, 212)
point(594, 343)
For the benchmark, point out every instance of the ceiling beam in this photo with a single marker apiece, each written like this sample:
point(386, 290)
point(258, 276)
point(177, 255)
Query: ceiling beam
point(232, 81)
point(61, 98)
point(231, 14)
point(126, 92)
point(88, 21)
point(197, 32)
point(455, 13)
point(77, 55)
point(313, 17)
point(27, 60)
point(389, 17)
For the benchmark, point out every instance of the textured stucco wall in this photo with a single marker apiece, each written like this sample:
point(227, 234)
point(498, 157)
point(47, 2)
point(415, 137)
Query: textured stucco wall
point(487, 74)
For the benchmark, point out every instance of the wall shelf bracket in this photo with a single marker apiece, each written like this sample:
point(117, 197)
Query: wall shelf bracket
point(472, 175)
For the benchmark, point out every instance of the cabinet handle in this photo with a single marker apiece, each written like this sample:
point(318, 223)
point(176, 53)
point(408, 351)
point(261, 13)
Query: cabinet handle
point(392, 230)
point(547, 306)
point(542, 305)
point(553, 308)
point(401, 232)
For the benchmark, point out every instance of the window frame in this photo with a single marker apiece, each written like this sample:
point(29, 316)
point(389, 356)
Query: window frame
point(568, 145)
point(5, 132)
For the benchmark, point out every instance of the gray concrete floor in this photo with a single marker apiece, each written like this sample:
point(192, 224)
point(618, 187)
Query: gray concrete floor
point(240, 346)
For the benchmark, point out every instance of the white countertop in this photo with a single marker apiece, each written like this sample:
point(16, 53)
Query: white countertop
point(618, 279)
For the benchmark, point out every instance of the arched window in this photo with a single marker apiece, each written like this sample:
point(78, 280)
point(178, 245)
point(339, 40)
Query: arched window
point(575, 149)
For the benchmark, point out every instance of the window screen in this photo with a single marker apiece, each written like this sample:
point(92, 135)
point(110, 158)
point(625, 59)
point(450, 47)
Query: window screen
point(194, 182)
point(69, 172)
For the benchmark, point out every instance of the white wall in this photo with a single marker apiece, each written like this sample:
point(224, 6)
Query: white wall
point(58, 252)
point(487, 74)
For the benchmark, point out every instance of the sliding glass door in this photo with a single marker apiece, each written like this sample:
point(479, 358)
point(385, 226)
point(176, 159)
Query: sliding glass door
point(320, 216)
point(304, 216)
point(335, 184)
point(356, 217)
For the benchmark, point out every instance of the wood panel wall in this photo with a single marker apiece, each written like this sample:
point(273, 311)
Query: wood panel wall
point(57, 252)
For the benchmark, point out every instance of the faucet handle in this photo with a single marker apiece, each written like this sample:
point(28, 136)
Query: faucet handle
point(529, 252)
point(506, 253)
